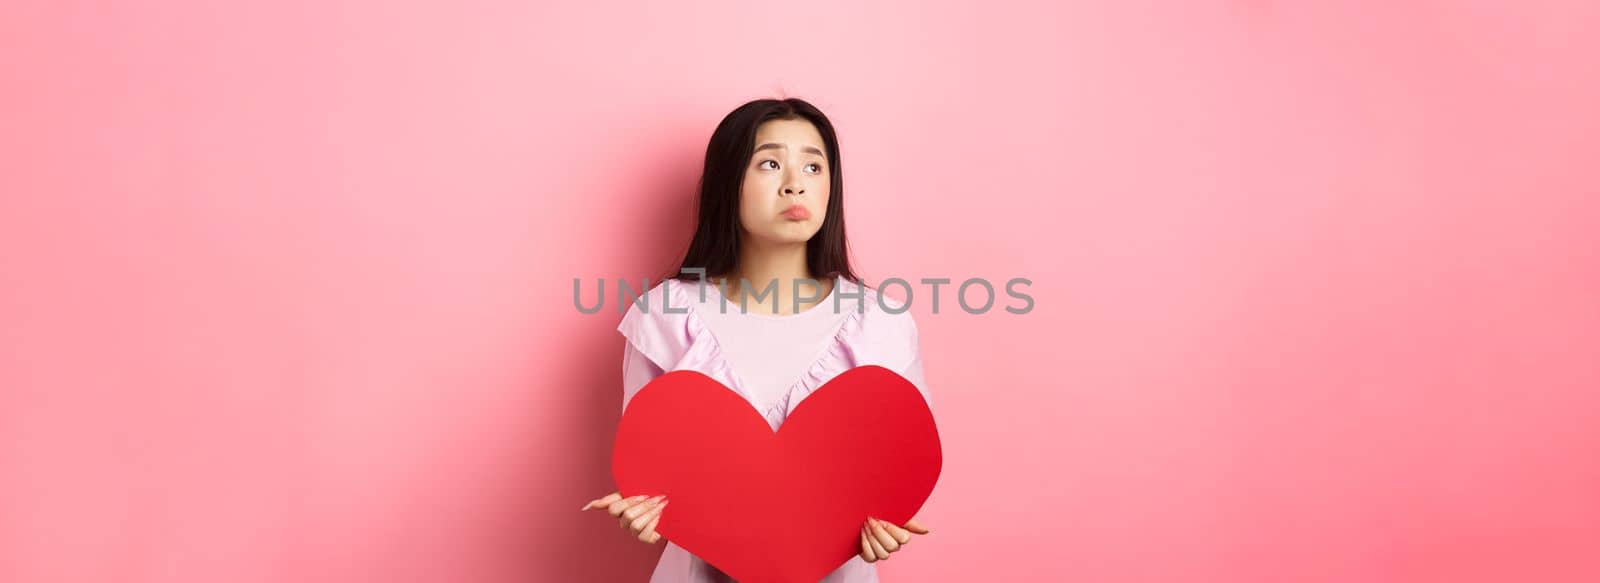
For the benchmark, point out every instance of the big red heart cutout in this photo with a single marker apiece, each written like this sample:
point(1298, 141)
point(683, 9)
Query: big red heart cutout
point(784, 507)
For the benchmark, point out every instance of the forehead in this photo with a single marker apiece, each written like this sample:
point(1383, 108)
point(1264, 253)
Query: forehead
point(790, 132)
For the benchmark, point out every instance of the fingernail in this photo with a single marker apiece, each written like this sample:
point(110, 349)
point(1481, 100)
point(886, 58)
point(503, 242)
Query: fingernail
point(658, 498)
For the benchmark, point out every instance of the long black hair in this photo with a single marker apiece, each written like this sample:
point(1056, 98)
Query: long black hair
point(717, 233)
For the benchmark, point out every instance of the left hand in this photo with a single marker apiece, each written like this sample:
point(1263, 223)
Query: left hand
point(879, 538)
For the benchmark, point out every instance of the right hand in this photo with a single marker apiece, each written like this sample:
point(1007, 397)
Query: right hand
point(637, 515)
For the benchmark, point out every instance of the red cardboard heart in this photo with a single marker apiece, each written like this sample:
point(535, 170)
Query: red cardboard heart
point(784, 507)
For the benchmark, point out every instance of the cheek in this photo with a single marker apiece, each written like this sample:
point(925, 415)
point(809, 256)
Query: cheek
point(751, 196)
point(753, 204)
point(755, 183)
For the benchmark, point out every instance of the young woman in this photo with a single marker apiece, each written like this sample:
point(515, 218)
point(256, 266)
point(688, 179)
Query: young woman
point(779, 312)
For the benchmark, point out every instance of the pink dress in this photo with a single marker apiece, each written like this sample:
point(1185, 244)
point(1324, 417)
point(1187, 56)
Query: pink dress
point(857, 332)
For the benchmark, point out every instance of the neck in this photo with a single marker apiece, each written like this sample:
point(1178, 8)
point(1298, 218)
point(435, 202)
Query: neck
point(764, 263)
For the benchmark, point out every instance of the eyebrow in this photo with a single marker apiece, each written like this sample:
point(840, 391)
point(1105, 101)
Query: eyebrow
point(807, 149)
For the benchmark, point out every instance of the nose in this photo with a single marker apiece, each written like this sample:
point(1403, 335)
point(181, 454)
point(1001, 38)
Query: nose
point(793, 189)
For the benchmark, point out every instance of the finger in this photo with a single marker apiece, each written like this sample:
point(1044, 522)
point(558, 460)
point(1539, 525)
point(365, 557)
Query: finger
point(617, 507)
point(603, 502)
point(648, 533)
point(878, 552)
point(645, 518)
point(867, 554)
point(882, 536)
point(916, 527)
point(900, 535)
point(635, 511)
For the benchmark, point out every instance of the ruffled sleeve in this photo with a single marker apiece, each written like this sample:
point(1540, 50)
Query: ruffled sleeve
point(660, 335)
point(890, 339)
point(670, 335)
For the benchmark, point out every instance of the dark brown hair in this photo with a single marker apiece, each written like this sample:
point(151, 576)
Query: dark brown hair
point(715, 246)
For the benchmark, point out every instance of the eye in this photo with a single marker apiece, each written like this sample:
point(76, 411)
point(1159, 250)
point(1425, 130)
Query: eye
point(763, 163)
point(819, 167)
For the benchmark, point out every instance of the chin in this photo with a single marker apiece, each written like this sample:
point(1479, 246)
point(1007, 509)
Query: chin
point(791, 235)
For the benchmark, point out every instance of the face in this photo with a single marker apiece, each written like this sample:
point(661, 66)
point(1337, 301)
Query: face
point(788, 169)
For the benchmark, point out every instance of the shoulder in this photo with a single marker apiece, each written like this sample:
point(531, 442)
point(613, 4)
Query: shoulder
point(643, 304)
point(657, 322)
point(885, 331)
point(880, 309)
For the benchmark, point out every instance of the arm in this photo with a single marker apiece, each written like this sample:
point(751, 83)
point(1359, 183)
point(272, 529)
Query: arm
point(637, 371)
point(913, 369)
point(879, 539)
point(638, 515)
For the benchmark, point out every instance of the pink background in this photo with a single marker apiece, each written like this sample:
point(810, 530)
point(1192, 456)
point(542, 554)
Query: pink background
point(287, 286)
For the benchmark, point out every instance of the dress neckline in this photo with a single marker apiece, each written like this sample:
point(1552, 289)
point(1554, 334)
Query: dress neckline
point(843, 328)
